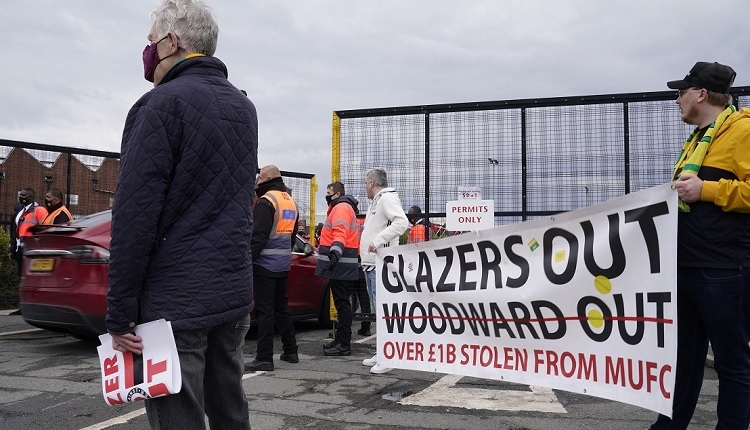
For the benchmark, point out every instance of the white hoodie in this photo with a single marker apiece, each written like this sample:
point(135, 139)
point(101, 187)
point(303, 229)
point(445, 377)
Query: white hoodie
point(384, 223)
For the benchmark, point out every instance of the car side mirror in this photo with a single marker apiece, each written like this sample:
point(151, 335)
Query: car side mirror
point(308, 249)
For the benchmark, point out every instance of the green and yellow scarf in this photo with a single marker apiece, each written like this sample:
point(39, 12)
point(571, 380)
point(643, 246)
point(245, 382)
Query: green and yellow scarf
point(695, 158)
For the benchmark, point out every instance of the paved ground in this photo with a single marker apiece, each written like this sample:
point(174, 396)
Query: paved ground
point(51, 381)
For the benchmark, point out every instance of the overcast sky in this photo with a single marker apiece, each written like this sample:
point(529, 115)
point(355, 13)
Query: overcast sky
point(73, 68)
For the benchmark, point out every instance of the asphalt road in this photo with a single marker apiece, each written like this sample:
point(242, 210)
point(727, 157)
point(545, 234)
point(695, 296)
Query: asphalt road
point(51, 381)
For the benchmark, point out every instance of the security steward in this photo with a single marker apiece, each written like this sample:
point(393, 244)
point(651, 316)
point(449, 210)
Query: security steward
point(418, 232)
point(58, 213)
point(338, 260)
point(30, 215)
point(275, 224)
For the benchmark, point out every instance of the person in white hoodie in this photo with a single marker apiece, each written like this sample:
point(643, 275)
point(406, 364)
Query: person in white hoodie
point(384, 223)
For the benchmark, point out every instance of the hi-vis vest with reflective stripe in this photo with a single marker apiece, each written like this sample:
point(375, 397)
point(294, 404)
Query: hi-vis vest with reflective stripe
point(277, 254)
point(340, 233)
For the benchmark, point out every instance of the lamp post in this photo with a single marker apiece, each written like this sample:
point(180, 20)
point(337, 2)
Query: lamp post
point(48, 179)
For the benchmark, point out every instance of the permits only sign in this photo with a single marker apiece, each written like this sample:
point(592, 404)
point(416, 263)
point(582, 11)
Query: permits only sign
point(469, 215)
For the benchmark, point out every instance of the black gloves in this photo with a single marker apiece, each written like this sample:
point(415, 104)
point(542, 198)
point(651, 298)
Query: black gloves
point(333, 259)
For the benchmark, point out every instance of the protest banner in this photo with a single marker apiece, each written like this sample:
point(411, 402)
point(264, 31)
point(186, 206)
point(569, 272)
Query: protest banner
point(583, 301)
point(128, 377)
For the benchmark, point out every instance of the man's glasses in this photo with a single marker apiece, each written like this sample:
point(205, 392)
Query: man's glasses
point(681, 93)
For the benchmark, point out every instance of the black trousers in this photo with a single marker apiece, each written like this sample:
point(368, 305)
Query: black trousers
point(272, 311)
point(360, 298)
point(18, 257)
point(340, 291)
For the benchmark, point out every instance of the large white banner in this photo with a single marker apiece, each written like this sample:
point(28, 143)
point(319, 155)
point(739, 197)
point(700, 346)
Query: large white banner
point(583, 301)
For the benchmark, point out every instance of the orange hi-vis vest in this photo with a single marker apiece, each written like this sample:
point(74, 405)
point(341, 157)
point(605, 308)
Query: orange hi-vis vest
point(33, 216)
point(51, 217)
point(418, 233)
point(276, 256)
point(340, 233)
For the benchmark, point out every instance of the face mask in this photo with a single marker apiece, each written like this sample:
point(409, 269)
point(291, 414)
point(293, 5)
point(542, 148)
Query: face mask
point(151, 59)
point(24, 200)
point(329, 199)
point(48, 203)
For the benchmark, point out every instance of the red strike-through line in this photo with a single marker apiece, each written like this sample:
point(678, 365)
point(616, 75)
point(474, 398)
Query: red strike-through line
point(528, 320)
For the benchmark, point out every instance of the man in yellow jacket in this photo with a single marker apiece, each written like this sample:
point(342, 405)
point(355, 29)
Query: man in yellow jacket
point(712, 177)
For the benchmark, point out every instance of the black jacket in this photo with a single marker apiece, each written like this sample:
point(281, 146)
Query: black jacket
point(12, 243)
point(181, 219)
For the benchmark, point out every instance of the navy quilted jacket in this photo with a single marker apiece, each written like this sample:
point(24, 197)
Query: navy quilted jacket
point(181, 220)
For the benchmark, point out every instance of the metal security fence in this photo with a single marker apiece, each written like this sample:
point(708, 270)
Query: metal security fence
point(303, 186)
point(532, 157)
point(88, 179)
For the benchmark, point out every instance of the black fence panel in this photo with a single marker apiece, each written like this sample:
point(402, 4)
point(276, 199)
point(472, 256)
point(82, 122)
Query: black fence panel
point(532, 157)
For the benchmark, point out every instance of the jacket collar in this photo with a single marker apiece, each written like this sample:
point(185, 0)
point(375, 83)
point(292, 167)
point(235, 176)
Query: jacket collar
point(202, 65)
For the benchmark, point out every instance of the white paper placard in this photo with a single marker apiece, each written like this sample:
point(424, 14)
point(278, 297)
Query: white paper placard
point(128, 377)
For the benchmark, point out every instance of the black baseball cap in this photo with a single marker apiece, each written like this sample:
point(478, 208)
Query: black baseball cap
point(711, 76)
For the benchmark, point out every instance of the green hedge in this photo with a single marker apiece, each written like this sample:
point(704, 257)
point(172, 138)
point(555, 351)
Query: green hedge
point(8, 275)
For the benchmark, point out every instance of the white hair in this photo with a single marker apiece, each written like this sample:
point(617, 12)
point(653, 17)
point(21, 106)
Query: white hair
point(191, 20)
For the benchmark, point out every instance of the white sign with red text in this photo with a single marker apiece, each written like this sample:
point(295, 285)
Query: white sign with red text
point(128, 377)
point(469, 215)
point(583, 301)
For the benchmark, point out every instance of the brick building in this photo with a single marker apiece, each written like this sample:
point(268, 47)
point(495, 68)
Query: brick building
point(87, 178)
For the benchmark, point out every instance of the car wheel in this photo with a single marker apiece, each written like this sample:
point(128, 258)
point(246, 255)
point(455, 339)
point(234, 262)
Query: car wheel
point(324, 319)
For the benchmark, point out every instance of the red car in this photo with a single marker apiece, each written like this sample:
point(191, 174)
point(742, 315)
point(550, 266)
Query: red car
point(65, 283)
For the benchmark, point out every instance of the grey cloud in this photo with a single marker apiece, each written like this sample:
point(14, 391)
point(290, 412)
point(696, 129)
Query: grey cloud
point(75, 66)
